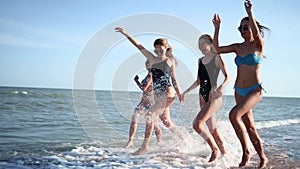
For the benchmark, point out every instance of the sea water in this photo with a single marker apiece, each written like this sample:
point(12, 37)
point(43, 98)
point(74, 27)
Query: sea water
point(57, 128)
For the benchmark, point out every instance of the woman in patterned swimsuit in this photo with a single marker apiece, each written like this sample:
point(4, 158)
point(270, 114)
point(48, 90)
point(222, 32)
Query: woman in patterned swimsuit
point(163, 70)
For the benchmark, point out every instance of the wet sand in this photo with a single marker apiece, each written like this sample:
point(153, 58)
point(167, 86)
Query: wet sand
point(275, 162)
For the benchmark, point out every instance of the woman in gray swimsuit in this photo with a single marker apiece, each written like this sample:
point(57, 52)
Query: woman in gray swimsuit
point(210, 95)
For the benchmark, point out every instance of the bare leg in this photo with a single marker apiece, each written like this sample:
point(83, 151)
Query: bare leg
point(214, 149)
point(243, 107)
point(241, 134)
point(166, 119)
point(198, 126)
point(254, 137)
point(157, 132)
point(132, 131)
point(133, 127)
point(151, 116)
point(211, 123)
point(207, 111)
point(148, 132)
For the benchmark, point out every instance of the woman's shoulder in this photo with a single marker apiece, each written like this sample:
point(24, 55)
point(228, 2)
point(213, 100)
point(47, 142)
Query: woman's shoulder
point(218, 60)
point(171, 60)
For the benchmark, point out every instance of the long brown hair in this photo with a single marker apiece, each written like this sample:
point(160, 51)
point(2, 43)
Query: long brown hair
point(261, 28)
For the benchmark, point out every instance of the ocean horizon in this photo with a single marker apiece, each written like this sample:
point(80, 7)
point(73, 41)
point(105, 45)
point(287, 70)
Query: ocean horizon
point(136, 91)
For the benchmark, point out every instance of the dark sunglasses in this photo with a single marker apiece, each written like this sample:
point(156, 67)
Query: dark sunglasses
point(244, 28)
point(158, 50)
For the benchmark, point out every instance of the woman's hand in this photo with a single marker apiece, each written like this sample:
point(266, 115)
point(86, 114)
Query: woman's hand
point(121, 30)
point(182, 96)
point(218, 92)
point(136, 78)
point(248, 5)
point(216, 21)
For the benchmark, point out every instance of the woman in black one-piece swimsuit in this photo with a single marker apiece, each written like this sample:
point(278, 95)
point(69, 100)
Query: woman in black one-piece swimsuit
point(210, 95)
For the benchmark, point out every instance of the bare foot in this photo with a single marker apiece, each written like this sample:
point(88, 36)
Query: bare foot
point(158, 140)
point(129, 144)
point(245, 159)
point(263, 162)
point(214, 155)
point(141, 151)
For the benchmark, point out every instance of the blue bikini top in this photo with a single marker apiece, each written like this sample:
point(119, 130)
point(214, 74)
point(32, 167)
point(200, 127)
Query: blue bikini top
point(250, 60)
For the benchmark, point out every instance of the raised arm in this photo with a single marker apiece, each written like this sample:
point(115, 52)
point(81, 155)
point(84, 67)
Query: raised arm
point(136, 43)
point(252, 21)
point(136, 79)
point(223, 49)
point(144, 86)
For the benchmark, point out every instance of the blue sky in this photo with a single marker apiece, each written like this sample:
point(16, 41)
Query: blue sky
point(41, 42)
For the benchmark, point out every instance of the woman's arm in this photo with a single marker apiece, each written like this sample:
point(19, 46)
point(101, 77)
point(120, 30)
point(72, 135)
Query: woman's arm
point(252, 21)
point(192, 87)
point(222, 49)
point(136, 43)
point(224, 70)
point(149, 82)
point(174, 81)
point(221, 64)
point(136, 79)
point(195, 84)
point(142, 86)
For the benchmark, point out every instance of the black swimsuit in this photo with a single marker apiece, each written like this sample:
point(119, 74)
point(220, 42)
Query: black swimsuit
point(208, 75)
point(161, 73)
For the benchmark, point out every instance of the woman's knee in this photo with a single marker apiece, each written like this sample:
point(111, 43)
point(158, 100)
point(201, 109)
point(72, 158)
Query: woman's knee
point(149, 117)
point(198, 126)
point(233, 116)
point(167, 123)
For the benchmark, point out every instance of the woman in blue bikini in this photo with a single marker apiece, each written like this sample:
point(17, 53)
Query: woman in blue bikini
point(248, 90)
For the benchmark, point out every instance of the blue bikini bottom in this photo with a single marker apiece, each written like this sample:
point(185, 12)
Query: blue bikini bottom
point(245, 91)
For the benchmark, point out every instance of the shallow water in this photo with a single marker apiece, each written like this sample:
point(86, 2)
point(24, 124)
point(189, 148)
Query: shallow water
point(54, 128)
